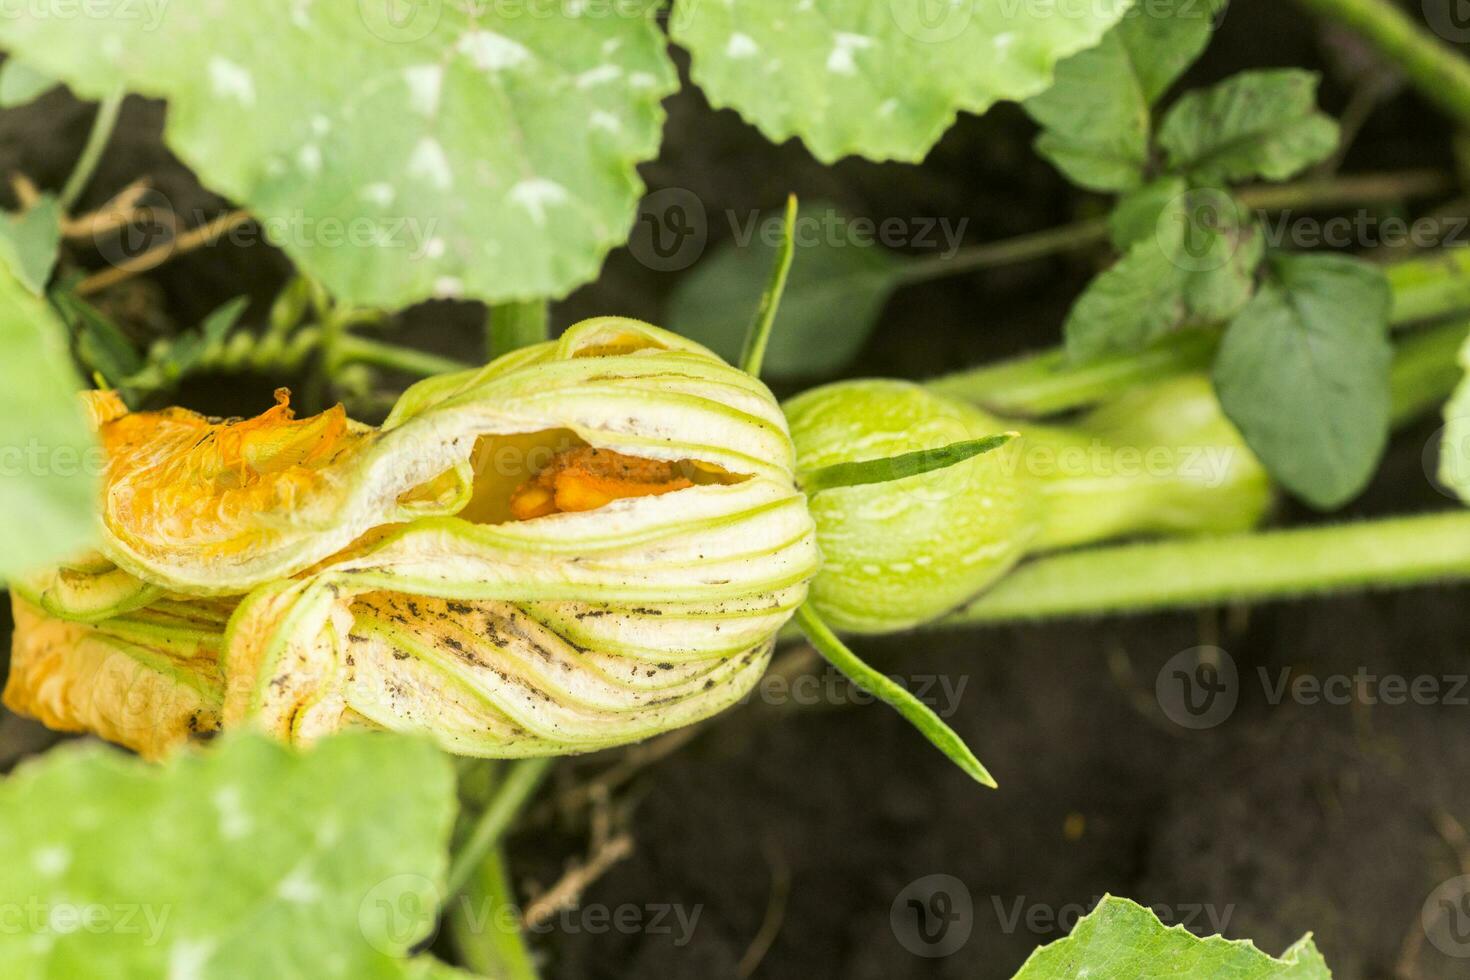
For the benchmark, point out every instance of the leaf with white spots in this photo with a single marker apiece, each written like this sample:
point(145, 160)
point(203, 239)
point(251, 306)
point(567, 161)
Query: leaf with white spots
point(247, 860)
point(465, 146)
point(1121, 939)
point(884, 79)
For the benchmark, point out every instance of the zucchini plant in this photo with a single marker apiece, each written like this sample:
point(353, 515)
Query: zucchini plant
point(348, 651)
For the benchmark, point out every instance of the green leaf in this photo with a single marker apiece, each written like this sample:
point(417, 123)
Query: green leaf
point(101, 343)
point(1256, 124)
point(245, 860)
point(29, 242)
point(1191, 260)
point(1303, 371)
point(1096, 118)
point(48, 457)
point(758, 334)
point(1128, 306)
point(20, 83)
point(914, 711)
point(891, 468)
point(836, 290)
point(882, 80)
point(1122, 940)
point(1454, 449)
point(464, 149)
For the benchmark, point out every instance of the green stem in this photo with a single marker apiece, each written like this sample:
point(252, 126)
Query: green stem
point(512, 326)
point(1249, 567)
point(1308, 194)
point(516, 788)
point(352, 348)
point(103, 124)
point(485, 924)
point(1048, 382)
point(1426, 370)
point(1439, 73)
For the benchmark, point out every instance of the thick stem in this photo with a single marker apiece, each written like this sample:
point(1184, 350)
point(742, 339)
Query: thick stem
point(485, 924)
point(519, 783)
point(1249, 567)
point(1440, 74)
point(515, 325)
point(81, 175)
point(1426, 370)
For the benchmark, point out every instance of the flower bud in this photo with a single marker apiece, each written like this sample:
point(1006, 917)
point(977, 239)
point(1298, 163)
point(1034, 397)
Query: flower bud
point(1162, 459)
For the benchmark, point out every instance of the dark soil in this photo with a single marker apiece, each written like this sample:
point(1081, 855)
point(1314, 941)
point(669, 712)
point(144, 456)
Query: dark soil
point(1287, 818)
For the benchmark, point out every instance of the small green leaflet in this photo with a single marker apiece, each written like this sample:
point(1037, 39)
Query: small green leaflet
point(29, 242)
point(900, 467)
point(1303, 371)
point(457, 150)
point(1256, 124)
point(20, 83)
point(1454, 450)
point(1122, 940)
point(1190, 259)
point(244, 860)
point(881, 80)
point(758, 334)
point(1096, 119)
point(101, 344)
point(914, 711)
point(837, 287)
point(48, 480)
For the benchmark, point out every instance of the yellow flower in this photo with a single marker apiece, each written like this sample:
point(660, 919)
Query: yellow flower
point(581, 544)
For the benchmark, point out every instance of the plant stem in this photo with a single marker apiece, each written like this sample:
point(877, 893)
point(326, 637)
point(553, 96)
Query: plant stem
point(753, 351)
point(1440, 75)
point(1308, 194)
point(516, 788)
point(1426, 370)
point(485, 923)
point(1250, 567)
point(1048, 382)
point(353, 348)
point(103, 124)
point(512, 326)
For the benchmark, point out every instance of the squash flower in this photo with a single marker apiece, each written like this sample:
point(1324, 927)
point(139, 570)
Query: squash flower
point(583, 543)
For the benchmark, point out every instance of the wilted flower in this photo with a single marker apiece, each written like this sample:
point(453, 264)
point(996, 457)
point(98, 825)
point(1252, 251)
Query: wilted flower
point(581, 544)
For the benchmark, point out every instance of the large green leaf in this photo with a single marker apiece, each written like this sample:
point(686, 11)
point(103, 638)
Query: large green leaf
point(884, 79)
point(462, 149)
point(20, 83)
point(1122, 940)
point(246, 860)
point(1303, 371)
point(1256, 124)
point(834, 294)
point(1096, 118)
point(48, 458)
